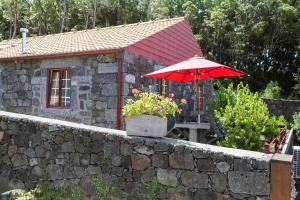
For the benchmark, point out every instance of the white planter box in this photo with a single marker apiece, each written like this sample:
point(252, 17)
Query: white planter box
point(147, 125)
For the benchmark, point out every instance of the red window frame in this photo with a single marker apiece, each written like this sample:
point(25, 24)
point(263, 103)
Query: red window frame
point(49, 79)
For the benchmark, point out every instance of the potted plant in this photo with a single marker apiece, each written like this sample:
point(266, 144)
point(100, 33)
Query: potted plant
point(147, 116)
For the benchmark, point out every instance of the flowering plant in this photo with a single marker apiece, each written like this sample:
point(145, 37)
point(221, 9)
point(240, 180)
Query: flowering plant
point(149, 104)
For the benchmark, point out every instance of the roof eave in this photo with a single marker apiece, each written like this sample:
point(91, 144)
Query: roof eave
point(60, 55)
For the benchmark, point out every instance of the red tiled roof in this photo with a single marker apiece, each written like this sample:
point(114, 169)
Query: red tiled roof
point(132, 36)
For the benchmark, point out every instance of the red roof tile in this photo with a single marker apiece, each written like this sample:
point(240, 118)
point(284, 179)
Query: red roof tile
point(100, 39)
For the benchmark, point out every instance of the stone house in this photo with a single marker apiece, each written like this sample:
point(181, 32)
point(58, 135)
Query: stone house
point(86, 76)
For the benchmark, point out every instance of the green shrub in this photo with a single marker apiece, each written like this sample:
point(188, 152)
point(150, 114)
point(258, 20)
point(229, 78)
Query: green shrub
point(245, 117)
point(296, 121)
point(149, 104)
point(272, 127)
point(296, 87)
point(272, 91)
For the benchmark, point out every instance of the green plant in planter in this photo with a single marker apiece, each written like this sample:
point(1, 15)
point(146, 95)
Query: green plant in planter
point(149, 104)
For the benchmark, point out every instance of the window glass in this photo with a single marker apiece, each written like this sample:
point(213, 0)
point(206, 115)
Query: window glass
point(54, 88)
point(66, 89)
point(59, 88)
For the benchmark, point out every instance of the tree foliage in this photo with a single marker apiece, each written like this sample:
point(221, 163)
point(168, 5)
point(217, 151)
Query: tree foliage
point(258, 36)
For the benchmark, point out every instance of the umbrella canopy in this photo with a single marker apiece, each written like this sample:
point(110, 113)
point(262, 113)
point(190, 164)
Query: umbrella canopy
point(195, 68)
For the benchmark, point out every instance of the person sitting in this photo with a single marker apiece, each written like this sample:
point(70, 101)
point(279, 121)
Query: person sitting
point(182, 110)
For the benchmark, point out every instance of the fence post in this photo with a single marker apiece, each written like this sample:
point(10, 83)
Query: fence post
point(281, 177)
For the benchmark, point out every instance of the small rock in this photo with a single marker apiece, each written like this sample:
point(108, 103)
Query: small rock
point(19, 160)
point(126, 149)
point(144, 150)
point(68, 147)
point(30, 153)
point(16, 184)
point(40, 151)
point(194, 180)
point(54, 172)
point(167, 177)
point(206, 165)
point(219, 182)
point(33, 162)
point(116, 161)
point(140, 162)
point(36, 173)
point(223, 167)
point(161, 147)
point(181, 160)
point(160, 160)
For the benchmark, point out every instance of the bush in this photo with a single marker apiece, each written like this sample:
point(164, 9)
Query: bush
point(272, 127)
point(245, 117)
point(296, 87)
point(149, 104)
point(272, 91)
point(296, 121)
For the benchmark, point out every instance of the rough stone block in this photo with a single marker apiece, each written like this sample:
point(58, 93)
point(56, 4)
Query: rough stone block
point(223, 167)
point(207, 194)
point(140, 162)
point(160, 160)
point(19, 160)
point(101, 105)
point(36, 173)
point(109, 89)
point(194, 180)
point(167, 177)
point(219, 182)
point(206, 165)
point(254, 183)
point(68, 147)
point(181, 160)
point(110, 114)
point(54, 172)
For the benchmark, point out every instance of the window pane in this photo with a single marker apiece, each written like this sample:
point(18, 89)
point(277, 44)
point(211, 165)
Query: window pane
point(54, 89)
point(66, 89)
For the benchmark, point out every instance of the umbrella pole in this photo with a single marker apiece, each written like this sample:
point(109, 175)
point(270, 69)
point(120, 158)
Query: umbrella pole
point(198, 98)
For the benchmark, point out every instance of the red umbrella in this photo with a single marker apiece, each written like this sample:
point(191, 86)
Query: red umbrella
point(195, 68)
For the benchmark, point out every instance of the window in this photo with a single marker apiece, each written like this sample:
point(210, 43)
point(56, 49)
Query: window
point(59, 88)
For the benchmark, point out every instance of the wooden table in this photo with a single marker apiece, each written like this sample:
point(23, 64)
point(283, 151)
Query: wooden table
point(193, 127)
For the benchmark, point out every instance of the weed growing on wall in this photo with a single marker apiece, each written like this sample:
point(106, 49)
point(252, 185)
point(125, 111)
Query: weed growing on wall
point(152, 189)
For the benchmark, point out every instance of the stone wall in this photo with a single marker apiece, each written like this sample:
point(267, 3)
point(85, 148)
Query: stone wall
point(284, 107)
point(23, 86)
point(62, 151)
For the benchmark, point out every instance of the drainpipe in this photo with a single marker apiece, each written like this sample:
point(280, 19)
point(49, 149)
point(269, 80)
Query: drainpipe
point(119, 89)
point(23, 31)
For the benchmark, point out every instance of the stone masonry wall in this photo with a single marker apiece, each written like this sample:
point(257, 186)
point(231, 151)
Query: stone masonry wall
point(284, 107)
point(64, 151)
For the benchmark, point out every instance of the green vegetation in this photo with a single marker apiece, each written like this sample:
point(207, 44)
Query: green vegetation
point(152, 189)
point(296, 121)
point(44, 192)
point(245, 117)
point(149, 104)
point(103, 190)
point(260, 37)
point(296, 87)
point(272, 91)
